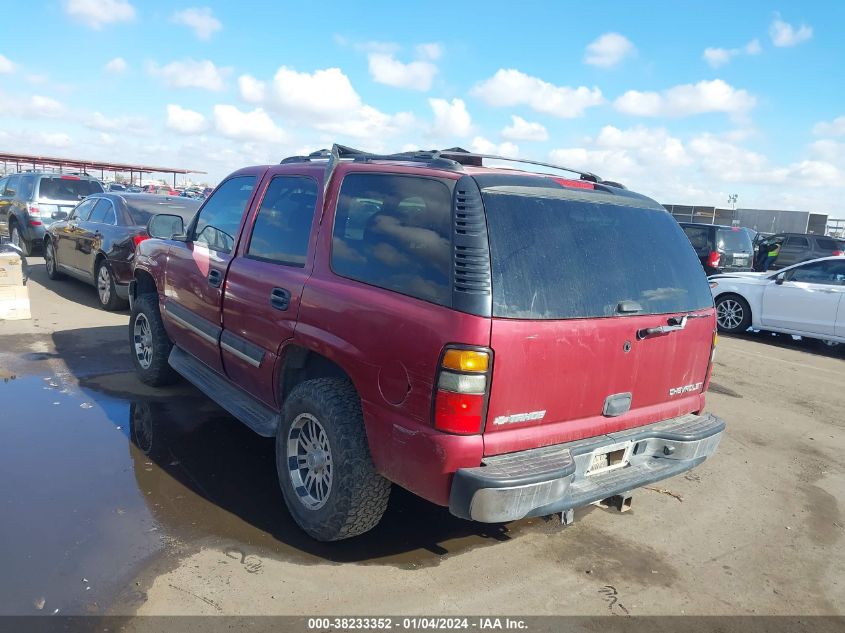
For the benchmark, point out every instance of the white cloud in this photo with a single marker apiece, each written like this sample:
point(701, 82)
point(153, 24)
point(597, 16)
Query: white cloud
point(432, 51)
point(753, 47)
point(608, 50)
point(386, 69)
point(185, 121)
point(189, 73)
point(522, 130)
point(6, 65)
point(200, 19)
point(98, 13)
point(253, 126)
point(252, 90)
point(511, 87)
point(115, 66)
point(481, 145)
point(124, 124)
point(58, 140)
point(720, 56)
point(451, 119)
point(324, 99)
point(784, 34)
point(687, 99)
point(830, 128)
point(46, 107)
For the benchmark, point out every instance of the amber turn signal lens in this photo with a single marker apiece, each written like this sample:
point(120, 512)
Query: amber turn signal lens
point(466, 360)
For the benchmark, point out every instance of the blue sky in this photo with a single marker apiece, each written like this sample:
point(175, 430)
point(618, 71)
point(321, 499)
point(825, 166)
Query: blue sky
point(686, 102)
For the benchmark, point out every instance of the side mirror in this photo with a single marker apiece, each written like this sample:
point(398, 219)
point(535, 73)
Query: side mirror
point(780, 279)
point(165, 226)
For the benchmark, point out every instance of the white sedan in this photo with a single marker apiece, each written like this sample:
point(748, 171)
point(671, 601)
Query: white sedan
point(807, 299)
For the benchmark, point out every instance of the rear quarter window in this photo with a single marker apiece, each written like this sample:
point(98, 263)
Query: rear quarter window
point(393, 231)
point(560, 255)
point(699, 237)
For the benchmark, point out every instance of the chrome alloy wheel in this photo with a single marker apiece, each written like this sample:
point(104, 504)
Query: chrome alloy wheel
point(729, 314)
point(310, 461)
point(104, 284)
point(142, 338)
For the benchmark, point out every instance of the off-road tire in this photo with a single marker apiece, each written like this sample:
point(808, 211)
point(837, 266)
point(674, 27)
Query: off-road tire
point(738, 326)
point(358, 496)
point(114, 302)
point(159, 372)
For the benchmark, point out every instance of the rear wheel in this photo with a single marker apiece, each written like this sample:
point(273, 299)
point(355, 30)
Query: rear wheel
point(106, 292)
point(733, 314)
point(50, 261)
point(149, 343)
point(325, 471)
point(17, 238)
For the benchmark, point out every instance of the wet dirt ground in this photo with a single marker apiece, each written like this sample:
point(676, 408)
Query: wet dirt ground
point(117, 498)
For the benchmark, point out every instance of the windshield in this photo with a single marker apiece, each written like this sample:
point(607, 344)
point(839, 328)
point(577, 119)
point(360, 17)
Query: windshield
point(555, 256)
point(733, 240)
point(142, 210)
point(67, 188)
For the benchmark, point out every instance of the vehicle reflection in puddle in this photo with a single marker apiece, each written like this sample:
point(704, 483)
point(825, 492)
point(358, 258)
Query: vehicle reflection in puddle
point(98, 478)
point(204, 474)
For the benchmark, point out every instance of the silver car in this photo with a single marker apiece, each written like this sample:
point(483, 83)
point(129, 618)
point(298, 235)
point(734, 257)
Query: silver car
point(31, 201)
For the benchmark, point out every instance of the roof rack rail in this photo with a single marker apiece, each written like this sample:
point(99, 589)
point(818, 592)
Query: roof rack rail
point(454, 158)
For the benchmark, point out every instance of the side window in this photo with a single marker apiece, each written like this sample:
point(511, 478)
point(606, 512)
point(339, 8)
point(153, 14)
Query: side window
point(103, 213)
point(219, 219)
point(826, 244)
point(797, 242)
point(698, 237)
point(13, 185)
point(27, 187)
point(3, 182)
point(818, 273)
point(283, 224)
point(394, 232)
point(82, 210)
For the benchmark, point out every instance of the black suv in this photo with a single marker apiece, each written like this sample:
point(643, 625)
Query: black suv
point(798, 247)
point(32, 201)
point(720, 248)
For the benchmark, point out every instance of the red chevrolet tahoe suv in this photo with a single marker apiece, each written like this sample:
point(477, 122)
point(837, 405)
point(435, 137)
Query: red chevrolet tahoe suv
point(493, 340)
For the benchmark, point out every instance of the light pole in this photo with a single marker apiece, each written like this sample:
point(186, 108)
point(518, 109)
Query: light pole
point(732, 201)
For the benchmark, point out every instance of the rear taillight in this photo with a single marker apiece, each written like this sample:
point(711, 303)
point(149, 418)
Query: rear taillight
point(712, 358)
point(137, 239)
point(34, 210)
point(462, 385)
point(713, 259)
point(35, 223)
point(839, 252)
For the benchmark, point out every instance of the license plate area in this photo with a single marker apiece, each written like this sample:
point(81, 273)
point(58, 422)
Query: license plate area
point(609, 458)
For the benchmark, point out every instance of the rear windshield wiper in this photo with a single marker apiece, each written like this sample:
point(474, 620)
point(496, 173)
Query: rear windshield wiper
point(673, 324)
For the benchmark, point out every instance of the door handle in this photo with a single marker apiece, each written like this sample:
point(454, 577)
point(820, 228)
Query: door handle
point(215, 278)
point(280, 298)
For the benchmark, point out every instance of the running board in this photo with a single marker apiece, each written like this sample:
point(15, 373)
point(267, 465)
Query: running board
point(246, 408)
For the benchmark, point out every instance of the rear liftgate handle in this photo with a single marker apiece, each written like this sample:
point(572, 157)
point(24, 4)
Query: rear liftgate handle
point(280, 298)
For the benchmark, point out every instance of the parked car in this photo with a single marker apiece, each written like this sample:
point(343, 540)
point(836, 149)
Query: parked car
point(798, 247)
point(164, 190)
point(116, 186)
point(720, 248)
point(452, 329)
point(97, 242)
point(30, 202)
point(806, 299)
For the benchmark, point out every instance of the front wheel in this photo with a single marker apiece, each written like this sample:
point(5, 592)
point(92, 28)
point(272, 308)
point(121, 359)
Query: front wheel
point(50, 261)
point(149, 343)
point(733, 314)
point(325, 471)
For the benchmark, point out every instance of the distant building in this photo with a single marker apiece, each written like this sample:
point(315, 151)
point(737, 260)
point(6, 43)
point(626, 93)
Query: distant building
point(762, 220)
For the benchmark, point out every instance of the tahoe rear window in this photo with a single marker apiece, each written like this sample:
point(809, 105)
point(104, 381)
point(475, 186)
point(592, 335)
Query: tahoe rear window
point(558, 254)
point(58, 188)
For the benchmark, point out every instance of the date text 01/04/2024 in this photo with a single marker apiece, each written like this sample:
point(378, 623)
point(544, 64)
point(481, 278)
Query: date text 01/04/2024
point(420, 623)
